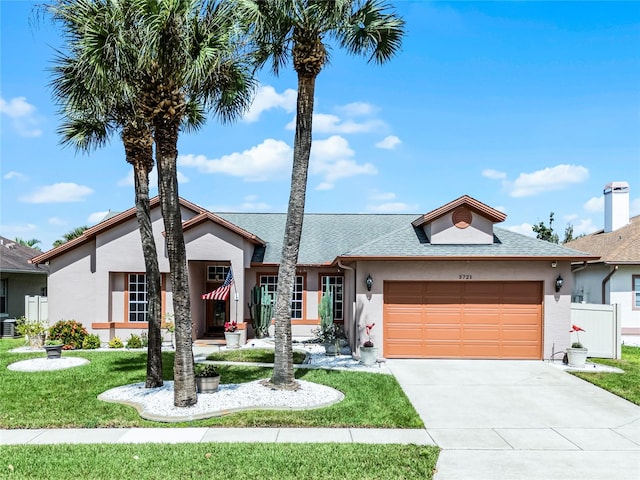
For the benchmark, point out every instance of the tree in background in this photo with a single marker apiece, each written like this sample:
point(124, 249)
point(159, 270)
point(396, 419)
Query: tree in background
point(298, 31)
point(28, 243)
point(546, 233)
point(66, 237)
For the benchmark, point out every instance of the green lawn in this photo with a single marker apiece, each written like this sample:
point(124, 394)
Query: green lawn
point(625, 385)
point(223, 460)
point(67, 398)
point(256, 355)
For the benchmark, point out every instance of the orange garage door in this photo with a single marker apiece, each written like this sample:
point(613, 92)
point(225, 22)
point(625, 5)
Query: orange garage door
point(463, 320)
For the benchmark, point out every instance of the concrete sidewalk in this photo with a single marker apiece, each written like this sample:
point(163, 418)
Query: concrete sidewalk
point(521, 420)
point(197, 435)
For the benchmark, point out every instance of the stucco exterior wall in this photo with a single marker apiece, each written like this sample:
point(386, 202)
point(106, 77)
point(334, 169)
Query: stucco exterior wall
point(556, 307)
point(443, 231)
point(20, 285)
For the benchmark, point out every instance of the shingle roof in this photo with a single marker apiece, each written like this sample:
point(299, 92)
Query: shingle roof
point(620, 246)
point(15, 258)
point(328, 236)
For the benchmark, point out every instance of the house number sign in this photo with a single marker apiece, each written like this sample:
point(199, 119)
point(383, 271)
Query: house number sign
point(464, 277)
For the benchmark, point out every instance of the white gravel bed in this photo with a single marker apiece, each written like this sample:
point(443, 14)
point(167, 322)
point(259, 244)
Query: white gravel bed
point(47, 364)
point(157, 403)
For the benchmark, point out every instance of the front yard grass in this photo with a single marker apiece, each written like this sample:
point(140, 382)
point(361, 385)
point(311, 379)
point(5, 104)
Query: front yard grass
point(223, 460)
point(68, 398)
point(625, 385)
point(255, 355)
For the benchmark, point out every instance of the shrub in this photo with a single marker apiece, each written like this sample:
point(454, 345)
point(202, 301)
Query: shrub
point(115, 342)
point(91, 342)
point(205, 370)
point(70, 332)
point(134, 341)
point(145, 339)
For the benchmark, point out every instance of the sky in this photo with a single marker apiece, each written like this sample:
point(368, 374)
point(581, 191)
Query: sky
point(528, 107)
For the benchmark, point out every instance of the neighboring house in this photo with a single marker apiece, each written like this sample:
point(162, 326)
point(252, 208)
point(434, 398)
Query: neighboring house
point(615, 276)
point(446, 284)
point(19, 277)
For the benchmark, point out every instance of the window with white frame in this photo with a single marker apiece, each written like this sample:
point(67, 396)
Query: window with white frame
point(217, 273)
point(336, 283)
point(636, 292)
point(271, 282)
point(137, 285)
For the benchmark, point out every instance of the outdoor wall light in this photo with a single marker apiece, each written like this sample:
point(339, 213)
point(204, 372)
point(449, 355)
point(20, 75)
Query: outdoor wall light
point(554, 264)
point(369, 282)
point(559, 283)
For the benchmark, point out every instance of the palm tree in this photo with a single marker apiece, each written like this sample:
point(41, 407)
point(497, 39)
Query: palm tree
point(189, 58)
point(93, 106)
point(70, 235)
point(28, 243)
point(298, 30)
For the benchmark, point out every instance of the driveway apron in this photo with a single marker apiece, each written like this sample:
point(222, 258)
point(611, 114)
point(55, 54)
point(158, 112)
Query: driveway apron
point(502, 419)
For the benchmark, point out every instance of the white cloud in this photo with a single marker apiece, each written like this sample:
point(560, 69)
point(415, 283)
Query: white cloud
point(393, 207)
point(23, 116)
point(97, 217)
point(501, 208)
point(153, 179)
point(327, 124)
point(250, 203)
point(634, 207)
point(267, 98)
point(494, 174)
point(389, 143)
point(56, 221)
point(523, 228)
point(332, 159)
point(584, 226)
point(58, 193)
point(357, 109)
point(547, 179)
point(595, 204)
point(11, 231)
point(271, 159)
point(14, 175)
point(382, 196)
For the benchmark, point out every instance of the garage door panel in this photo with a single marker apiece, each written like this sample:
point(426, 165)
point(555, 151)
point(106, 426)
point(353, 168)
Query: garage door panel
point(464, 319)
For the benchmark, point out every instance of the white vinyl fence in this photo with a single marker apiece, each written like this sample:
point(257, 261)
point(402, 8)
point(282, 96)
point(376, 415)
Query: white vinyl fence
point(36, 308)
point(602, 335)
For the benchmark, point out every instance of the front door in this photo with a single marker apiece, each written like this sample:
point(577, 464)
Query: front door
point(217, 313)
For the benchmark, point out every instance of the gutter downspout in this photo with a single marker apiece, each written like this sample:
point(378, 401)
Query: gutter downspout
point(353, 303)
point(606, 279)
point(579, 267)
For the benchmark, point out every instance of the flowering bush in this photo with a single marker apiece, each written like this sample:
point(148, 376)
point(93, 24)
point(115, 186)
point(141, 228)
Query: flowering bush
point(367, 330)
point(70, 332)
point(230, 326)
point(576, 329)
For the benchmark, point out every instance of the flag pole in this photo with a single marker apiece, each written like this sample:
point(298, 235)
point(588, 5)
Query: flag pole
point(235, 295)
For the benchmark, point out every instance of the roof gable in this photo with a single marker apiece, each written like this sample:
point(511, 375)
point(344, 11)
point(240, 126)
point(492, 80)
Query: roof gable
point(464, 201)
point(15, 258)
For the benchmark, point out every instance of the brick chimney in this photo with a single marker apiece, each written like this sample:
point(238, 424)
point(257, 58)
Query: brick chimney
point(616, 205)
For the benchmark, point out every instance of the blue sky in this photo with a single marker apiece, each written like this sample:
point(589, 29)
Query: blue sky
point(529, 107)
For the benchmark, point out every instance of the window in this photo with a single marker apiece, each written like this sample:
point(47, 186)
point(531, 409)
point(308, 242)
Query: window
point(217, 273)
point(4, 293)
point(636, 291)
point(271, 282)
point(137, 297)
point(336, 282)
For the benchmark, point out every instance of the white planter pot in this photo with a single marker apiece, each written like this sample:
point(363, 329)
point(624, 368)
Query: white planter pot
point(233, 339)
point(207, 384)
point(368, 355)
point(577, 357)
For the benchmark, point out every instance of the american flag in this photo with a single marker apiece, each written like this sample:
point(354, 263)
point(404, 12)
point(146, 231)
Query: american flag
point(222, 292)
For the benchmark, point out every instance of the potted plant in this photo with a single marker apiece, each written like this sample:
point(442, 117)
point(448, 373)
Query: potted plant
point(169, 327)
point(207, 377)
point(577, 353)
point(53, 348)
point(368, 350)
point(231, 335)
point(32, 330)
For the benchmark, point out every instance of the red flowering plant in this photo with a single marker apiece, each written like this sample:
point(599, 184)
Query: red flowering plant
point(367, 329)
point(577, 329)
point(230, 326)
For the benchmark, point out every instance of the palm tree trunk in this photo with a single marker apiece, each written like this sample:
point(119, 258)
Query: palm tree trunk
point(166, 137)
point(283, 376)
point(154, 308)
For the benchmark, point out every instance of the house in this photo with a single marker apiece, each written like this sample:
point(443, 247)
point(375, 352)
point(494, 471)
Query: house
point(445, 284)
point(615, 276)
point(19, 278)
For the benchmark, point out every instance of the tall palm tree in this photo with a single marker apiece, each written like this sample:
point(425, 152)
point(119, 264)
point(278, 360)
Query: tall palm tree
point(94, 106)
point(190, 57)
point(32, 243)
point(70, 235)
point(299, 30)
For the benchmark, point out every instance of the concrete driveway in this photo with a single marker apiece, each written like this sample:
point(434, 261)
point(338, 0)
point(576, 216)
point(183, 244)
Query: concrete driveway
point(501, 419)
